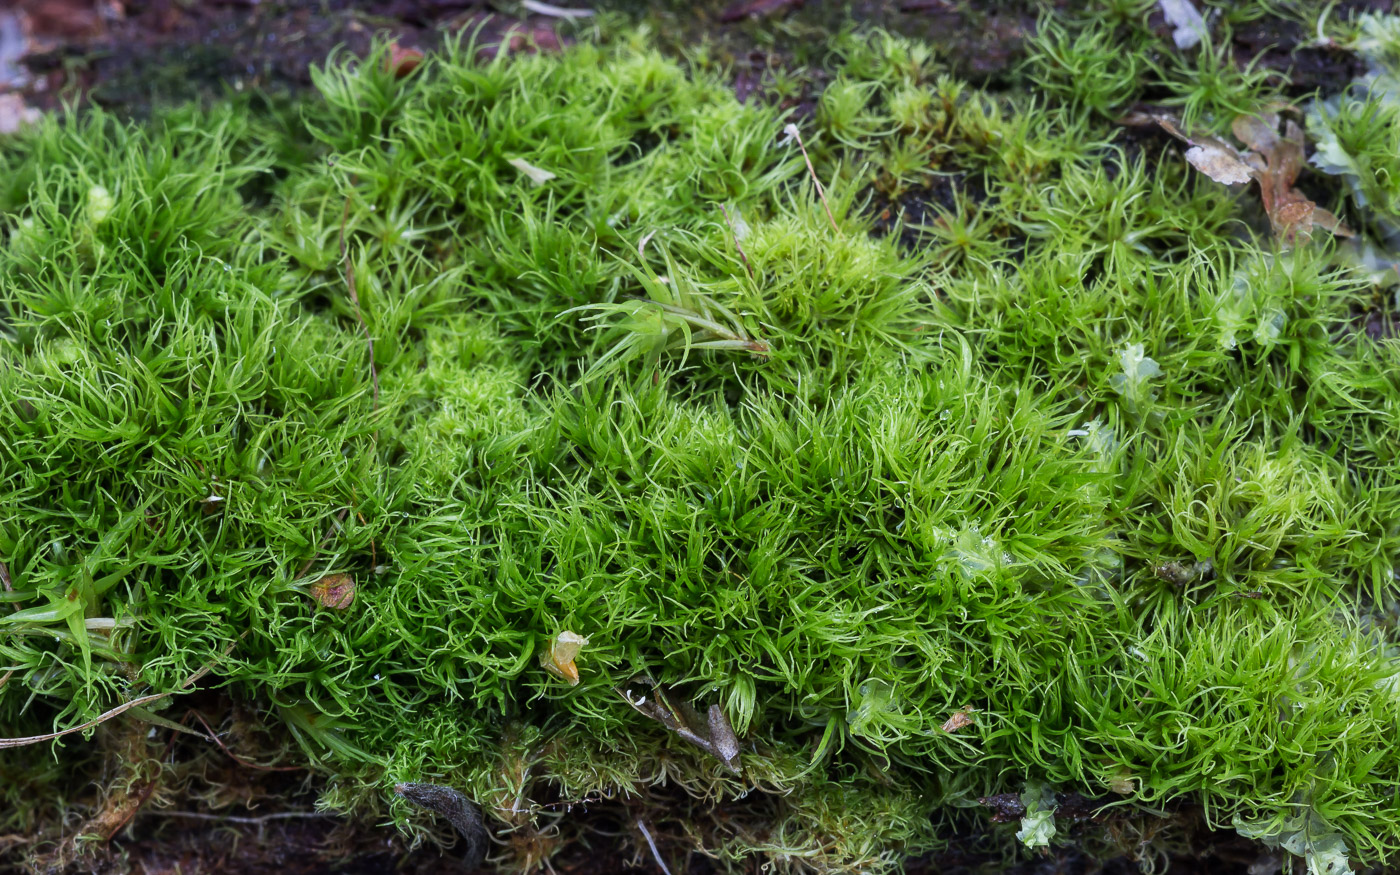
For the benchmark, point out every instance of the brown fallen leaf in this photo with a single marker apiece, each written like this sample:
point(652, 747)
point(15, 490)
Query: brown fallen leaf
point(1209, 154)
point(1279, 161)
point(712, 733)
point(559, 659)
point(336, 591)
point(1273, 160)
point(958, 720)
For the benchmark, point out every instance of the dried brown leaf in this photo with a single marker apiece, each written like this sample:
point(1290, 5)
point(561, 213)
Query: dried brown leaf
point(1292, 214)
point(1259, 133)
point(1273, 160)
point(713, 733)
point(1209, 154)
point(958, 720)
point(1219, 161)
point(1325, 220)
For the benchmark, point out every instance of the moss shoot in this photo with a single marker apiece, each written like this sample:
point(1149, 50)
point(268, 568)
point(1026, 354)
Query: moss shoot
point(500, 424)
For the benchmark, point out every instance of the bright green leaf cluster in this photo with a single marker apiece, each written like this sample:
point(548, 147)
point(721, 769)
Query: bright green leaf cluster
point(1076, 452)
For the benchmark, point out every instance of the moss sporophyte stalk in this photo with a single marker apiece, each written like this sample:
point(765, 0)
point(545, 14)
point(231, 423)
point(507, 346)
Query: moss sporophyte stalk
point(548, 427)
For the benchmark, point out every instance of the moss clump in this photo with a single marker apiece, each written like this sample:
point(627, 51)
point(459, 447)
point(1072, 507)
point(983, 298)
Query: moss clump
point(1076, 486)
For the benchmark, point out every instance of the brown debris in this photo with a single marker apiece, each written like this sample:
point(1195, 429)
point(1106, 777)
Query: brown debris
point(757, 9)
point(958, 720)
point(1274, 162)
point(711, 733)
point(496, 35)
point(1006, 807)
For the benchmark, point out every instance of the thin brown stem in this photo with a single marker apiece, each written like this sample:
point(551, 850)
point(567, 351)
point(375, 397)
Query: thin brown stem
point(252, 821)
point(125, 706)
point(9, 587)
point(792, 131)
point(235, 757)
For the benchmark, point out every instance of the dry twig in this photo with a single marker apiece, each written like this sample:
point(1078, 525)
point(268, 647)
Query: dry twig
point(124, 707)
point(235, 757)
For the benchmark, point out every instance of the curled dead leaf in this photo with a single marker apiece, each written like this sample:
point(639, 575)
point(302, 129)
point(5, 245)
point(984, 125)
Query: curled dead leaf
point(1209, 154)
point(336, 591)
point(958, 720)
point(712, 733)
point(559, 659)
point(1273, 160)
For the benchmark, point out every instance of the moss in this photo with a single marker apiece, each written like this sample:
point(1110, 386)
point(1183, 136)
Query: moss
point(1080, 484)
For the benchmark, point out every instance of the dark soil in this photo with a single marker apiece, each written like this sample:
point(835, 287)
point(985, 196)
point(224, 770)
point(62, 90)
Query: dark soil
point(128, 55)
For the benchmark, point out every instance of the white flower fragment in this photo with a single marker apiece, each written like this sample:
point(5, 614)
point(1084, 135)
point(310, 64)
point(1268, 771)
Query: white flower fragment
point(537, 175)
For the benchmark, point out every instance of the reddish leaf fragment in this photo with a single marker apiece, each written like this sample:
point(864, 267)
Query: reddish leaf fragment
point(1292, 214)
point(336, 591)
point(401, 61)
